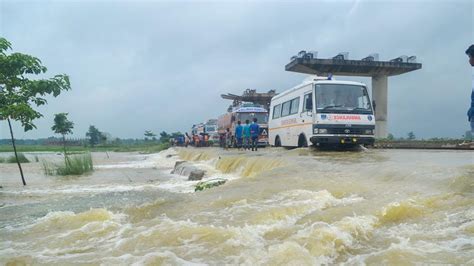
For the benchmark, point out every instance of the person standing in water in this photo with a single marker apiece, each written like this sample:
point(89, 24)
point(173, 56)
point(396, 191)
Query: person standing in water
point(238, 134)
point(246, 129)
point(470, 112)
point(254, 132)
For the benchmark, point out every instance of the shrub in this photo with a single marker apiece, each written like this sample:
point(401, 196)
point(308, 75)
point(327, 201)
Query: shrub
point(209, 184)
point(48, 168)
point(74, 165)
point(21, 157)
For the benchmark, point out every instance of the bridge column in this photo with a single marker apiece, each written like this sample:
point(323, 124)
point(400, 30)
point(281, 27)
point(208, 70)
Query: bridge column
point(379, 95)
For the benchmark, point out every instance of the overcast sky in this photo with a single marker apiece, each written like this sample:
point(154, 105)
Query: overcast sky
point(162, 65)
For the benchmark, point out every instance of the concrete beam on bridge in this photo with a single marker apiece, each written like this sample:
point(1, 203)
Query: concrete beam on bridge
point(378, 70)
point(341, 67)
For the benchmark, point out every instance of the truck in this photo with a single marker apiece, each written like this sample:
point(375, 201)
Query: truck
point(243, 112)
point(210, 128)
point(322, 112)
point(198, 129)
point(208, 131)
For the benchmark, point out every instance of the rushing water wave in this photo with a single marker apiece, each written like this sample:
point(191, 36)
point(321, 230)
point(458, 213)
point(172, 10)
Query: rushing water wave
point(298, 207)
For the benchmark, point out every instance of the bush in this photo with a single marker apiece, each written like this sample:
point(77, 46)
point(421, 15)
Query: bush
point(209, 184)
point(48, 168)
point(21, 157)
point(75, 165)
point(2, 160)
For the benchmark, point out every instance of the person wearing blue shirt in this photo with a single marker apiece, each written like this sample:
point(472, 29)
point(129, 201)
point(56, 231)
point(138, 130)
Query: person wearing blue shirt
point(246, 129)
point(238, 134)
point(254, 132)
point(470, 112)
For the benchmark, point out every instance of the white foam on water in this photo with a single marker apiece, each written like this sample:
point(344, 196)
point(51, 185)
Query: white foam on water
point(80, 189)
point(278, 229)
point(180, 184)
point(162, 160)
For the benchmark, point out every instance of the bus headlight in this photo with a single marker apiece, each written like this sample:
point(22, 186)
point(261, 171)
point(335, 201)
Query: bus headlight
point(315, 131)
point(323, 131)
point(369, 132)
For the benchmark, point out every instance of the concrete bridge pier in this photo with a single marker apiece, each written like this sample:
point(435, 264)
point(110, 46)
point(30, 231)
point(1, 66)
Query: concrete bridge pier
point(380, 97)
point(379, 71)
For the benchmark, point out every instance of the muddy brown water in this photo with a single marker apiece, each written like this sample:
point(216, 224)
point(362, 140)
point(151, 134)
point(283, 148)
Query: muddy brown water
point(278, 207)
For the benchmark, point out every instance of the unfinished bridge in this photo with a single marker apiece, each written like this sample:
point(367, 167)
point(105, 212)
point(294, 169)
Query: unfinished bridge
point(370, 66)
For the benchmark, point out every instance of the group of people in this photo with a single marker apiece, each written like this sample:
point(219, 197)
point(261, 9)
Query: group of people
point(245, 136)
point(196, 140)
point(200, 140)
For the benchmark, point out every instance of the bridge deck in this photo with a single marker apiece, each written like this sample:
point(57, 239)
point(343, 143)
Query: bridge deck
point(350, 67)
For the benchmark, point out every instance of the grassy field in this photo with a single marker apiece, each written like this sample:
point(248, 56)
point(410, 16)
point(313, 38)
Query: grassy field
point(145, 148)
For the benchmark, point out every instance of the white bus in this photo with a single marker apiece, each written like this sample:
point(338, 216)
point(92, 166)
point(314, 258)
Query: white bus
point(322, 112)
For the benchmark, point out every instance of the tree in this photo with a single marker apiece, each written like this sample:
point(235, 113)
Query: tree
point(149, 134)
point(19, 94)
point(94, 136)
point(411, 135)
point(468, 136)
point(104, 137)
point(176, 134)
point(390, 136)
point(164, 137)
point(62, 126)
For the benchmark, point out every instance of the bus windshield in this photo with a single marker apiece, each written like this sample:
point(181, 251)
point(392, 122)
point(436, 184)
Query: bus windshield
point(262, 118)
point(341, 98)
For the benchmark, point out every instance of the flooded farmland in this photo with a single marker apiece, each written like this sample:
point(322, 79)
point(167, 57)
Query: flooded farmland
point(278, 206)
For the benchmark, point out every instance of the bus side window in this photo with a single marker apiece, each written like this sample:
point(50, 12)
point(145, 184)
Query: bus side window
point(285, 108)
point(277, 111)
point(295, 104)
point(308, 102)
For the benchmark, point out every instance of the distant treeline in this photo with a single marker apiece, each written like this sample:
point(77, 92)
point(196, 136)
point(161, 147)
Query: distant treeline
point(53, 141)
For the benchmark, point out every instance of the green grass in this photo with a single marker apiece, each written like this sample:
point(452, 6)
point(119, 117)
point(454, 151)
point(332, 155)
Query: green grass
point(74, 165)
point(12, 159)
point(155, 148)
point(48, 168)
point(45, 148)
point(209, 184)
point(143, 148)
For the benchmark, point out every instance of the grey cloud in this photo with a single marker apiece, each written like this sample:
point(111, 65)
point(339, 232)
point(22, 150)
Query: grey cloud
point(162, 65)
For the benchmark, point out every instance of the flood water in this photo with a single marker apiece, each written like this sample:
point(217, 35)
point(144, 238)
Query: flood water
point(298, 207)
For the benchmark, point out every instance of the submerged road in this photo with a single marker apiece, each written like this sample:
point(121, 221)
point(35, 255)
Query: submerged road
point(278, 206)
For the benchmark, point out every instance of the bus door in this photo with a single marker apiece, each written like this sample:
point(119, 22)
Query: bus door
point(306, 114)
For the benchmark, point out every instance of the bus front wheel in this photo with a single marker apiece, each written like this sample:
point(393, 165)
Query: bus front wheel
point(277, 142)
point(302, 141)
